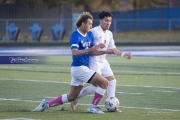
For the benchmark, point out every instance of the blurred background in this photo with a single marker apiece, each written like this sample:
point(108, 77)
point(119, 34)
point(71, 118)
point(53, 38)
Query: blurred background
point(52, 21)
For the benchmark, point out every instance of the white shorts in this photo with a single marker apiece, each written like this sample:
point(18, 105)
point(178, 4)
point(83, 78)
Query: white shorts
point(81, 75)
point(101, 67)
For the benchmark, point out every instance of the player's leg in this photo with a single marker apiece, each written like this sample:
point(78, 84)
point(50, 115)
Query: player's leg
point(102, 86)
point(64, 98)
point(108, 74)
point(87, 75)
point(91, 88)
point(102, 83)
point(112, 86)
point(72, 95)
point(112, 89)
point(105, 70)
point(87, 90)
point(76, 86)
point(96, 66)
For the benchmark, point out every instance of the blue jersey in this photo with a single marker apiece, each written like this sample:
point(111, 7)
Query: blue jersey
point(81, 42)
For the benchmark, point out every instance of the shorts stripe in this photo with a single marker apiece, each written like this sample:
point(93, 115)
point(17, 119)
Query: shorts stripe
point(91, 78)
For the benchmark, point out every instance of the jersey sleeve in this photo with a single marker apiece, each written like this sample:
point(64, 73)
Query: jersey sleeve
point(111, 42)
point(74, 41)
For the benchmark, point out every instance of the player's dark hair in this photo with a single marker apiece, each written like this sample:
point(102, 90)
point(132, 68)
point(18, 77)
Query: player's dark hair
point(104, 14)
point(83, 18)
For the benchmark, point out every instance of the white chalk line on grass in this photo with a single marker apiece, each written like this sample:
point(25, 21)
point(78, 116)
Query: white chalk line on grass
point(163, 91)
point(19, 100)
point(130, 93)
point(142, 72)
point(119, 71)
point(19, 67)
point(56, 97)
point(41, 81)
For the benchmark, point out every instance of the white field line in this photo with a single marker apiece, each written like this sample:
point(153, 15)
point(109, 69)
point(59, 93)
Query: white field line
point(42, 81)
point(130, 93)
point(56, 97)
point(163, 91)
point(119, 71)
point(18, 100)
point(17, 67)
point(142, 72)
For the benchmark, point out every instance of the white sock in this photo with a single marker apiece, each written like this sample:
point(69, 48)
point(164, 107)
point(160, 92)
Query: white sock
point(65, 98)
point(100, 91)
point(111, 88)
point(87, 90)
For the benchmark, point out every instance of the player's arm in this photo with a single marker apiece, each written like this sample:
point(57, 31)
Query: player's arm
point(75, 46)
point(125, 55)
point(76, 52)
point(117, 52)
point(101, 46)
point(96, 53)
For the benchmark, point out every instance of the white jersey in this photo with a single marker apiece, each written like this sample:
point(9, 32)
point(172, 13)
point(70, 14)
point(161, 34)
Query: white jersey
point(101, 37)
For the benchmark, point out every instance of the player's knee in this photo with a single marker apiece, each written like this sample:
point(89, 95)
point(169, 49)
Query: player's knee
point(104, 84)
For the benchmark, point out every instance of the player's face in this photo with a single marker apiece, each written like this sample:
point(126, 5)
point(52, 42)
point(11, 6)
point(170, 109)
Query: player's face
point(88, 25)
point(106, 23)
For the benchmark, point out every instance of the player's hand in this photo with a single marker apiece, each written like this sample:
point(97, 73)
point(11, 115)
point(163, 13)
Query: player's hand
point(110, 51)
point(94, 48)
point(127, 55)
point(102, 45)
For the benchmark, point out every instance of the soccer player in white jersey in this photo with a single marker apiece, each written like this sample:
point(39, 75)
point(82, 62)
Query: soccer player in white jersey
point(81, 41)
point(99, 63)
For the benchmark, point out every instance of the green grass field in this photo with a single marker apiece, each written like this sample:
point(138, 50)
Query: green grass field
point(148, 89)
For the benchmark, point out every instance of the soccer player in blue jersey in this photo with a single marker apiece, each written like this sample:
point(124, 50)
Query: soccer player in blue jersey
point(99, 63)
point(81, 41)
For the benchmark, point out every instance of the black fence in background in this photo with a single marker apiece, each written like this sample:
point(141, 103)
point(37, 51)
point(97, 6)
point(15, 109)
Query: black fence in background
point(165, 21)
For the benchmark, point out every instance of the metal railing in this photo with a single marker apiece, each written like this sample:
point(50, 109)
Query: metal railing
point(124, 30)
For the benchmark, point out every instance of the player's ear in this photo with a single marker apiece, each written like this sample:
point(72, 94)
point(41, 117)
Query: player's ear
point(83, 24)
point(100, 20)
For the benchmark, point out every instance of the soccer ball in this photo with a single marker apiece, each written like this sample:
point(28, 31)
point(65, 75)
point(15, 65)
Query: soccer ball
point(112, 103)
